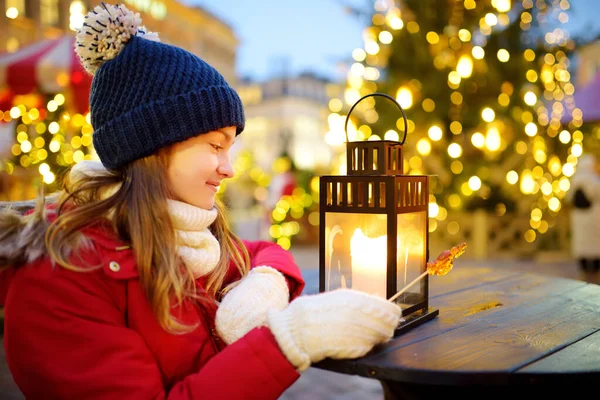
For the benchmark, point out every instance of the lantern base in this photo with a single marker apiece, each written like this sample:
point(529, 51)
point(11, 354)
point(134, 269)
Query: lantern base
point(415, 319)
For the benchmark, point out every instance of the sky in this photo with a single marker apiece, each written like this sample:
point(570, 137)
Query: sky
point(315, 34)
point(318, 35)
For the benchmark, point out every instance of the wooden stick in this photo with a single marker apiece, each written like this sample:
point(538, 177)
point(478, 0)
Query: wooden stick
point(405, 288)
point(441, 266)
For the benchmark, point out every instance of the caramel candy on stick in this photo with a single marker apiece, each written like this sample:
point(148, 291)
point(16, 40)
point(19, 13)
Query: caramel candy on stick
point(445, 261)
point(440, 266)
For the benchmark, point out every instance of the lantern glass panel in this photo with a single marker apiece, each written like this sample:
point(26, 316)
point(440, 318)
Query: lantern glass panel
point(411, 253)
point(356, 252)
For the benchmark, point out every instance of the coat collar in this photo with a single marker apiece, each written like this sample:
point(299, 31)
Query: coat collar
point(117, 256)
point(27, 230)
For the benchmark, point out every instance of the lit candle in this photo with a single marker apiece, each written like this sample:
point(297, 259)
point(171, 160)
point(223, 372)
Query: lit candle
point(369, 263)
point(369, 260)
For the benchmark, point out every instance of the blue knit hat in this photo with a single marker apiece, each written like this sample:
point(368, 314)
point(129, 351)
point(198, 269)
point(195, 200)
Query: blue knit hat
point(145, 94)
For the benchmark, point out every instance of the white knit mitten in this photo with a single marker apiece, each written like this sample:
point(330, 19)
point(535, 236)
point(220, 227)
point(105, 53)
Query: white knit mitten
point(245, 306)
point(340, 324)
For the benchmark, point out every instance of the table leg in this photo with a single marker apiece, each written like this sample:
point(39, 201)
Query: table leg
point(411, 391)
point(394, 391)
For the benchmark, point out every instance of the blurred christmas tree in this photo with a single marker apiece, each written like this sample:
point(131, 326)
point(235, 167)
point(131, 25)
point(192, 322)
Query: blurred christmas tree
point(49, 137)
point(485, 85)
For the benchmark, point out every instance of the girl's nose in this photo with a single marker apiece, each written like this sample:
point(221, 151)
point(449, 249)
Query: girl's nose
point(225, 168)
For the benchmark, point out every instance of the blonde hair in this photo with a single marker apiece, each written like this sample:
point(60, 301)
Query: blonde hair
point(141, 202)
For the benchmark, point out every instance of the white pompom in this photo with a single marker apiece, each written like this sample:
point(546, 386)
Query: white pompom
point(105, 32)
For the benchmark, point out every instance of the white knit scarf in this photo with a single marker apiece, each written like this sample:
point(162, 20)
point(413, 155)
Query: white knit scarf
point(196, 245)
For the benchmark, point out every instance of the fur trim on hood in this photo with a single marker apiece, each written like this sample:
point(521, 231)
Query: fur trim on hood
point(23, 227)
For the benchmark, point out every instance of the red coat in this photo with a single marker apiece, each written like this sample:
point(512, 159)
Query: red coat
point(92, 335)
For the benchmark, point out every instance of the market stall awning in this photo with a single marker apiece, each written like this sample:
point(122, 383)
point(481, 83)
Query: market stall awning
point(49, 66)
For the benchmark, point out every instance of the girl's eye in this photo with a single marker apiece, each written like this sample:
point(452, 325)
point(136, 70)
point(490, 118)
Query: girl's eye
point(216, 147)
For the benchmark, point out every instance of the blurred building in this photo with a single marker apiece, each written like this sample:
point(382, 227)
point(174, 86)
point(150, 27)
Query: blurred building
point(289, 115)
point(587, 91)
point(588, 67)
point(26, 21)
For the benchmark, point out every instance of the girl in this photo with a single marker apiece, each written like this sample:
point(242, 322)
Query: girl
point(131, 285)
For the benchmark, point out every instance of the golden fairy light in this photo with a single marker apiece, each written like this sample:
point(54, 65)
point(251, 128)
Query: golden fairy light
point(404, 97)
point(435, 133)
point(465, 66)
point(502, 6)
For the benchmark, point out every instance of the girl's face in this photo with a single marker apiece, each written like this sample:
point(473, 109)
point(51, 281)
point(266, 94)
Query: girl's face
point(198, 165)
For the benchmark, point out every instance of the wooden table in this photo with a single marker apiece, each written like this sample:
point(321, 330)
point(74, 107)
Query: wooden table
point(499, 334)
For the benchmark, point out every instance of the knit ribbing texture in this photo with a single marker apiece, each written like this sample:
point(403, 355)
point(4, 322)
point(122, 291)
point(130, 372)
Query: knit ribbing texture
point(245, 306)
point(340, 324)
point(152, 95)
point(196, 245)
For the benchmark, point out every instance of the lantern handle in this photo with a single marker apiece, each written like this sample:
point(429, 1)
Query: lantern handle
point(382, 95)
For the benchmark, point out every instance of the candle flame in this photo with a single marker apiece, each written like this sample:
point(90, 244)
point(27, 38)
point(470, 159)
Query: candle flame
point(368, 250)
point(445, 261)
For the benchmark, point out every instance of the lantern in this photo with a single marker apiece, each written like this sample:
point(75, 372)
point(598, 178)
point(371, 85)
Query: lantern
point(373, 233)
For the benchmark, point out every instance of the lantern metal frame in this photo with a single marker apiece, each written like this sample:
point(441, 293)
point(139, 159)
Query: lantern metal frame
point(375, 184)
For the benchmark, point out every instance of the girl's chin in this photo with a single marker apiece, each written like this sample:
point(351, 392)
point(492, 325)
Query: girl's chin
point(206, 204)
